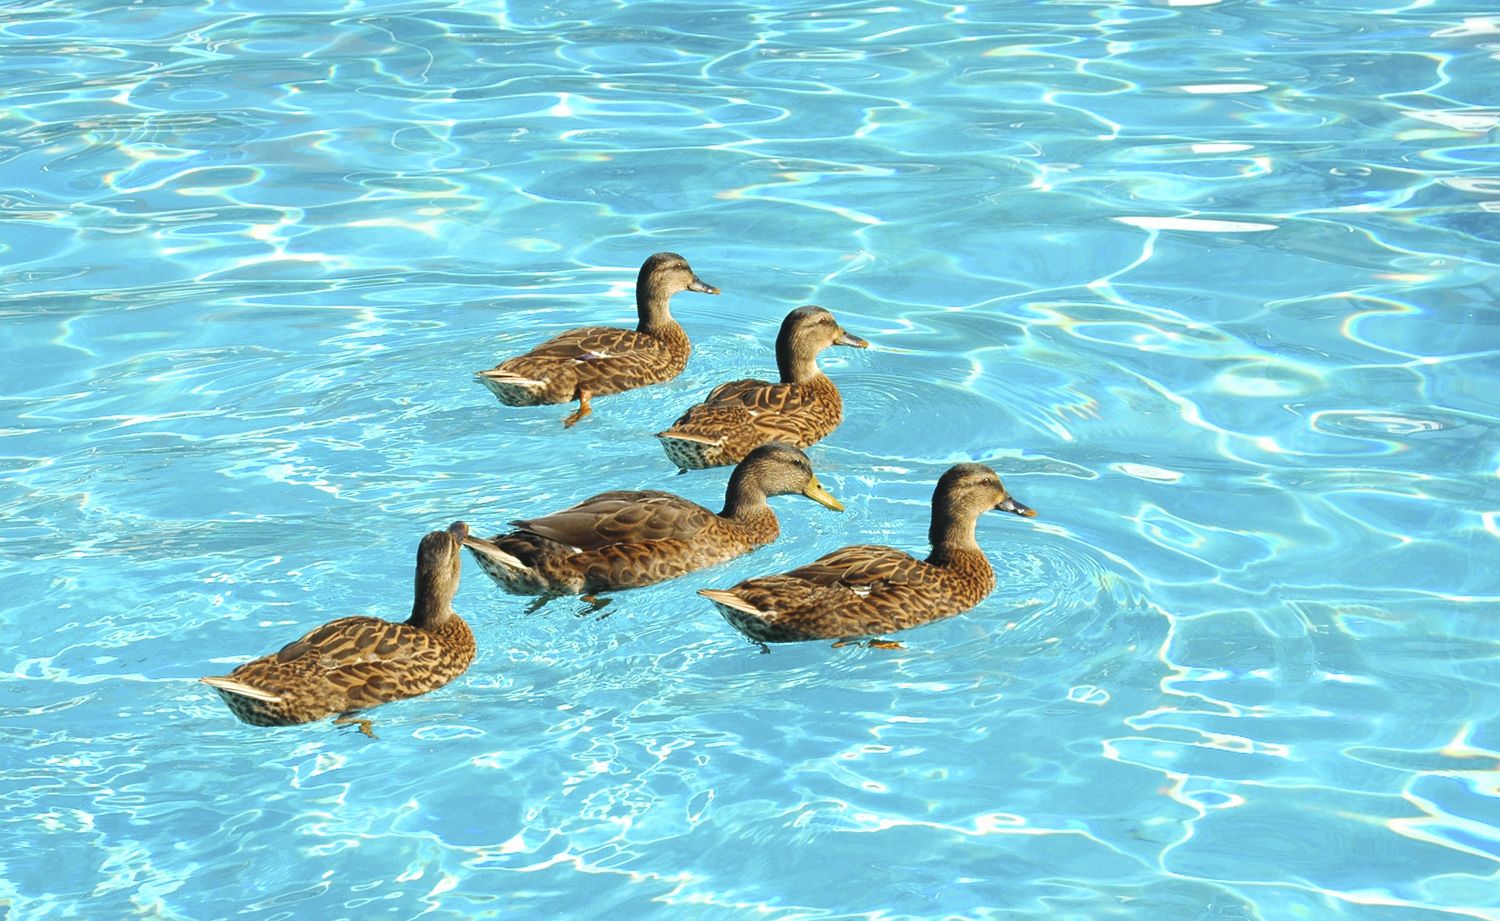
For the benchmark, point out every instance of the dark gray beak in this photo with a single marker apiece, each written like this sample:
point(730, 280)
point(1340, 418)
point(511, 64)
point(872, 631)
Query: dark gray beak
point(1011, 505)
point(701, 286)
point(854, 341)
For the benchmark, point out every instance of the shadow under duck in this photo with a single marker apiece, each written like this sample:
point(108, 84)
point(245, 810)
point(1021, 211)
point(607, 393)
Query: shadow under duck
point(595, 360)
point(353, 663)
point(737, 416)
point(626, 539)
point(871, 590)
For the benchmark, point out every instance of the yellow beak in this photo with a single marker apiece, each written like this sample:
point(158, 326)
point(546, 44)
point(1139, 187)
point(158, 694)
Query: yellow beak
point(815, 491)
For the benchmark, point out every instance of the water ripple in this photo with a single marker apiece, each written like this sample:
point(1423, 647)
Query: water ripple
point(1211, 286)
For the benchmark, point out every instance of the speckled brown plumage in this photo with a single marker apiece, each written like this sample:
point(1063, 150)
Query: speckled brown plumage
point(353, 663)
point(871, 590)
point(597, 360)
point(621, 539)
point(736, 417)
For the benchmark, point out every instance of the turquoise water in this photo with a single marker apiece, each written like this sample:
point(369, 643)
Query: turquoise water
point(1212, 285)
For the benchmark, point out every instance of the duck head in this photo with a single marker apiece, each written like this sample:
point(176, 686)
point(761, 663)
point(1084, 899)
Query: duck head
point(963, 493)
point(774, 470)
point(804, 333)
point(663, 275)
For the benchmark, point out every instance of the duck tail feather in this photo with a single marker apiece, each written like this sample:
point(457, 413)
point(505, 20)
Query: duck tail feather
point(676, 435)
point(511, 387)
point(237, 687)
point(487, 552)
point(730, 600)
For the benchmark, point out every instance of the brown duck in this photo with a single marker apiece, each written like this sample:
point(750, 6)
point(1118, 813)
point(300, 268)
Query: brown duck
point(622, 539)
point(740, 415)
point(596, 360)
point(353, 663)
point(871, 590)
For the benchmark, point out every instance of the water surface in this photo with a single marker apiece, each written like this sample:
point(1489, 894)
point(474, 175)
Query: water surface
point(1211, 284)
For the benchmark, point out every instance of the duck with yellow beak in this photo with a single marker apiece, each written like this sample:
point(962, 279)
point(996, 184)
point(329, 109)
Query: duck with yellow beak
point(626, 539)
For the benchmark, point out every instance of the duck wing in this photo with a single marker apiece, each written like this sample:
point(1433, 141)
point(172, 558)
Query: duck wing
point(622, 517)
point(593, 343)
point(353, 640)
point(730, 391)
point(353, 662)
point(863, 566)
point(758, 396)
point(749, 412)
point(856, 591)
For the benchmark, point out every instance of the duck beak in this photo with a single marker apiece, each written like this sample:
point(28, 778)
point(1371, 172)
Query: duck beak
point(701, 286)
point(1011, 505)
point(852, 341)
point(815, 491)
point(460, 531)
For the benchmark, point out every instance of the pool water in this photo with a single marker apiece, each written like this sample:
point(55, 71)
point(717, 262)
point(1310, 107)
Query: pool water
point(1211, 284)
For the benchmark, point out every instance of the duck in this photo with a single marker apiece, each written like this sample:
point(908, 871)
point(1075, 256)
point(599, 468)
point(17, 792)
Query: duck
point(739, 415)
point(595, 360)
point(627, 539)
point(871, 590)
point(354, 663)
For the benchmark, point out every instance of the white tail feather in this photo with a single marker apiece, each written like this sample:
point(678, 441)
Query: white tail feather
point(495, 555)
point(511, 387)
point(495, 374)
point(688, 436)
point(731, 600)
point(225, 683)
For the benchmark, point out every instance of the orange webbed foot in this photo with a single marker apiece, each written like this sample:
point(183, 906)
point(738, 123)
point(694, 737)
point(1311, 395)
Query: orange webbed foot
point(583, 409)
point(349, 719)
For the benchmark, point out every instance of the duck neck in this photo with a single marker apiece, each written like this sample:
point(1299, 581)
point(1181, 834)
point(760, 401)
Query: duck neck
point(796, 364)
point(952, 537)
point(745, 500)
point(433, 605)
point(653, 306)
